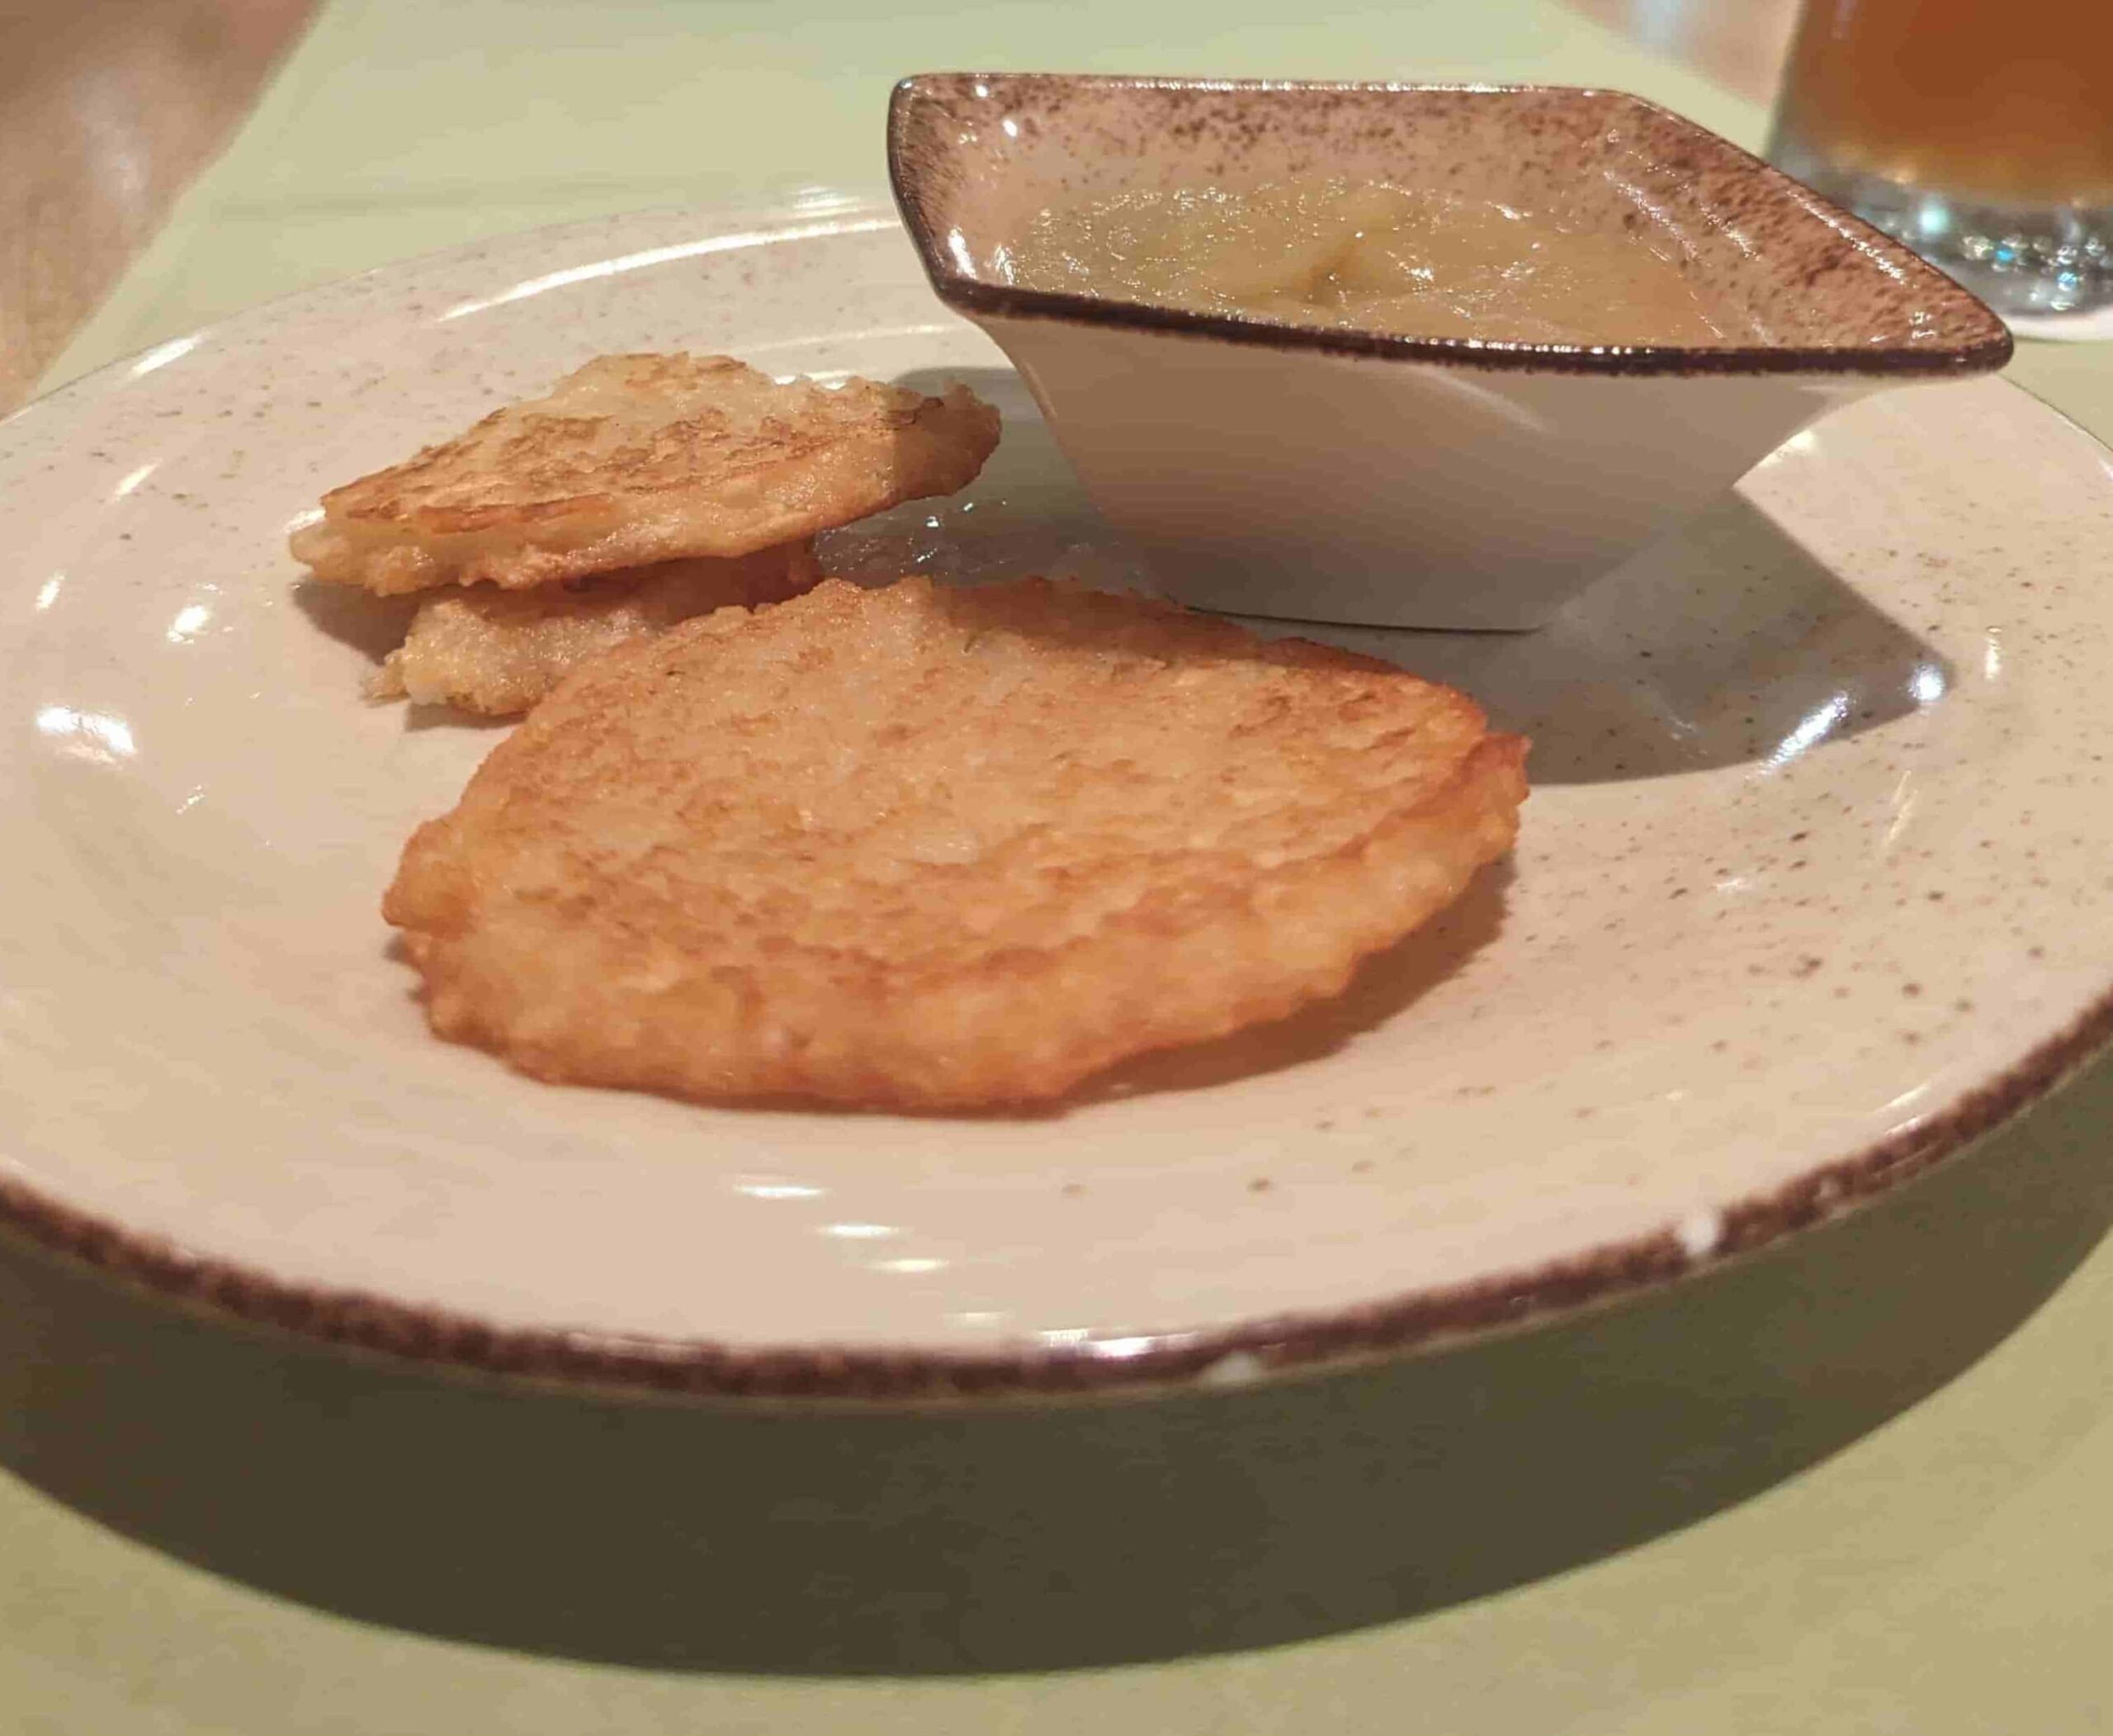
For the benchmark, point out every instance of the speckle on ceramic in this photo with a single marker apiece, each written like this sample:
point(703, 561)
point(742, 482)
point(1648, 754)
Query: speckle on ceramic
point(1844, 734)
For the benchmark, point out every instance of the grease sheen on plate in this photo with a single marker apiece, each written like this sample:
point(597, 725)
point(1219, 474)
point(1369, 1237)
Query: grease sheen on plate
point(1820, 813)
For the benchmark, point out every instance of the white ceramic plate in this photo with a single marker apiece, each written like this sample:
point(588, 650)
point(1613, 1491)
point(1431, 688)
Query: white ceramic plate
point(1807, 893)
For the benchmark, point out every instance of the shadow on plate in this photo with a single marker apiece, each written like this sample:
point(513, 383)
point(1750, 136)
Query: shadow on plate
point(373, 626)
point(1386, 986)
point(698, 1538)
point(1722, 644)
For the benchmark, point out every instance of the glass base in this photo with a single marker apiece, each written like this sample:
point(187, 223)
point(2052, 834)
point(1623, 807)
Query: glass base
point(2020, 260)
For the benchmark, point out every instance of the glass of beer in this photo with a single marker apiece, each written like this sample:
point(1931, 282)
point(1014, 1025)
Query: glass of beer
point(1978, 132)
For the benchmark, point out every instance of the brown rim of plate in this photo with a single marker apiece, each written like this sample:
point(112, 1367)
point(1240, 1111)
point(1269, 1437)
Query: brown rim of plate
point(1271, 1346)
point(1983, 353)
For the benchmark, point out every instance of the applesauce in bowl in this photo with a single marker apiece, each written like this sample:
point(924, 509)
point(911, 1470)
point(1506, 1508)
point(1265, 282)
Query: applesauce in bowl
point(1417, 356)
point(1373, 256)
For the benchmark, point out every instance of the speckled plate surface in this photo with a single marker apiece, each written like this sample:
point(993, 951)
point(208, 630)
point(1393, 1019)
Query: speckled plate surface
point(1808, 894)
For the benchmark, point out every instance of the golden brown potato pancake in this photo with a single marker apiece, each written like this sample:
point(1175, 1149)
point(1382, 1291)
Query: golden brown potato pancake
point(497, 652)
point(927, 848)
point(633, 460)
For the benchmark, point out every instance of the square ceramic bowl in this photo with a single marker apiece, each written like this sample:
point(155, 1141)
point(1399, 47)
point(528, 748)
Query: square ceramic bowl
point(1330, 475)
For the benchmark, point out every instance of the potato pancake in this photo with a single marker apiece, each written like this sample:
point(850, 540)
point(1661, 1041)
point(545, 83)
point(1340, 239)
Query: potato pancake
point(923, 849)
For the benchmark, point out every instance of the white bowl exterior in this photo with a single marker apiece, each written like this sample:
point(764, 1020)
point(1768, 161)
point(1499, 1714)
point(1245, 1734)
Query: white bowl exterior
point(1387, 493)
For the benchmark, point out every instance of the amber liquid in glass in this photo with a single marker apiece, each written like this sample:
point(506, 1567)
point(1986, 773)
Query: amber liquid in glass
point(1978, 132)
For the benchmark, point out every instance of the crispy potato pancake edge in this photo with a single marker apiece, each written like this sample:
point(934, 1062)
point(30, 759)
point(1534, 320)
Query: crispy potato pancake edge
point(1016, 1026)
point(601, 474)
point(496, 654)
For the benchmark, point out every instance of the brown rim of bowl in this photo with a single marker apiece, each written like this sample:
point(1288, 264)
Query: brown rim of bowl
point(1273, 1346)
point(972, 296)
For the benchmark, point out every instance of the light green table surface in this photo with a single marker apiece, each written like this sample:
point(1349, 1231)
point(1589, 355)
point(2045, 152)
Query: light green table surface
point(1946, 1570)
